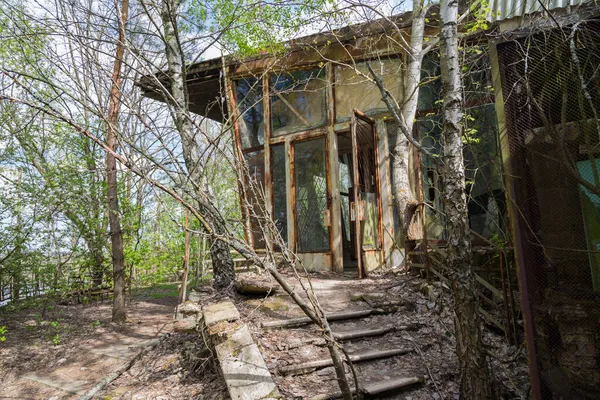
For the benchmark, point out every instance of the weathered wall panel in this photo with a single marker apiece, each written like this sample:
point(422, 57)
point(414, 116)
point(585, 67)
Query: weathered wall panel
point(314, 262)
point(373, 260)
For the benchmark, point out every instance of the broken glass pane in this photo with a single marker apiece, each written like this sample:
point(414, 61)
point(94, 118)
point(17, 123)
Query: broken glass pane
point(311, 196)
point(279, 189)
point(298, 101)
point(250, 107)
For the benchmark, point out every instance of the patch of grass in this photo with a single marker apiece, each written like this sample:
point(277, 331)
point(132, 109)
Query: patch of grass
point(56, 339)
point(157, 291)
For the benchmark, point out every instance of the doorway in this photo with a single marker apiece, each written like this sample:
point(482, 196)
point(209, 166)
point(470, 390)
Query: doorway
point(346, 166)
point(358, 180)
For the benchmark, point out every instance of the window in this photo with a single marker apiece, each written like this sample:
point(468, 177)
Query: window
point(477, 77)
point(590, 207)
point(430, 89)
point(278, 174)
point(353, 90)
point(483, 171)
point(250, 107)
point(311, 196)
point(255, 161)
point(430, 135)
point(298, 101)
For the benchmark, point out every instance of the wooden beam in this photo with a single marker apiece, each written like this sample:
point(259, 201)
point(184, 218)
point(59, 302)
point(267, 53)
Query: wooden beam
point(489, 286)
point(389, 385)
point(337, 316)
point(355, 358)
point(362, 333)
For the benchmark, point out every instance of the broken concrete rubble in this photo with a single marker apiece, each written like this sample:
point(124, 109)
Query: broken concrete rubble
point(187, 316)
point(240, 361)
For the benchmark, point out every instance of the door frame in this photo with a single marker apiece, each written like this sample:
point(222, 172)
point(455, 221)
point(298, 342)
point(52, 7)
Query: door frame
point(356, 208)
point(313, 254)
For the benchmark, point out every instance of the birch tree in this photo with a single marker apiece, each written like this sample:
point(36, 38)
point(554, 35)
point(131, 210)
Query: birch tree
point(474, 371)
point(222, 261)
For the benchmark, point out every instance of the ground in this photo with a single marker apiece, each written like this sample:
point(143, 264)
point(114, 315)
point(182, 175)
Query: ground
point(61, 351)
point(57, 351)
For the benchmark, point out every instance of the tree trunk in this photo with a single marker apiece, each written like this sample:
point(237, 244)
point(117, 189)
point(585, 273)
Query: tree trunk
point(222, 262)
point(474, 371)
point(400, 153)
point(116, 235)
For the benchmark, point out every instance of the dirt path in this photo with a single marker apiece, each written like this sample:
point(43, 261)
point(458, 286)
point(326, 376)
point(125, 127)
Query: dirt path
point(60, 352)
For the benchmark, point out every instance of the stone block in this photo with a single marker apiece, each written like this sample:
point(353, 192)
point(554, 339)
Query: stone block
point(185, 325)
point(224, 311)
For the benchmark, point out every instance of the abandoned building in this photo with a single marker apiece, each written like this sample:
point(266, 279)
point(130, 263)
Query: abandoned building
point(316, 136)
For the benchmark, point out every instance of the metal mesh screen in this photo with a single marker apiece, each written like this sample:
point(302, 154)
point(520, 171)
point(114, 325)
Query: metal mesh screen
point(551, 88)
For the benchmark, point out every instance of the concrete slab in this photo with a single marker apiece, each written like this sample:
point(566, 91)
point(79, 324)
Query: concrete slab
point(247, 376)
point(224, 311)
point(242, 365)
point(240, 338)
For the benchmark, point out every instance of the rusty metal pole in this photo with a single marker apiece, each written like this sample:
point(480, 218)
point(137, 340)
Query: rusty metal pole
point(508, 332)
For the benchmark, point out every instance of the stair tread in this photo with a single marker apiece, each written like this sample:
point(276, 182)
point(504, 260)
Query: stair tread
point(361, 356)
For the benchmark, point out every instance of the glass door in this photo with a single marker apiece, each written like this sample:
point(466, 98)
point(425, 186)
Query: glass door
point(311, 196)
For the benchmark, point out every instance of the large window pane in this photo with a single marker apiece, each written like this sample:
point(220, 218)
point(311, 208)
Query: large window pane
point(250, 107)
point(477, 76)
point(311, 196)
point(352, 90)
point(255, 162)
point(430, 90)
point(590, 207)
point(298, 101)
point(278, 174)
point(483, 171)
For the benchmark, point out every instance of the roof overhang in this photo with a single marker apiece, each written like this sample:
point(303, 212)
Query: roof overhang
point(204, 82)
